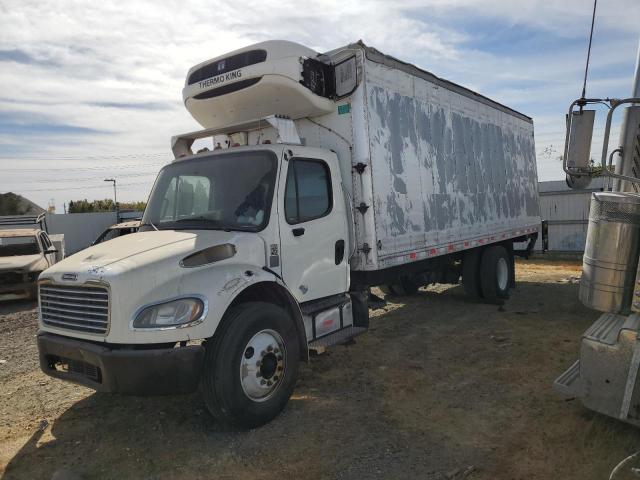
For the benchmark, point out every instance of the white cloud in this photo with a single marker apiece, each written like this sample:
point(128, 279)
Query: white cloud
point(79, 60)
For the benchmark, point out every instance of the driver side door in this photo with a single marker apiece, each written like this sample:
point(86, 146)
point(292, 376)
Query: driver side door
point(313, 229)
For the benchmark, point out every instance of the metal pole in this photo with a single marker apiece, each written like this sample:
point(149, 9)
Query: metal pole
point(624, 162)
point(115, 196)
point(636, 80)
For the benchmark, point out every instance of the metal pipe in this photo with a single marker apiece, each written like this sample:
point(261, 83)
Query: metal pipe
point(625, 159)
point(636, 79)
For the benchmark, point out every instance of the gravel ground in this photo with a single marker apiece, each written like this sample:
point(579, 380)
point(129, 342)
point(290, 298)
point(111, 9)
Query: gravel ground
point(439, 388)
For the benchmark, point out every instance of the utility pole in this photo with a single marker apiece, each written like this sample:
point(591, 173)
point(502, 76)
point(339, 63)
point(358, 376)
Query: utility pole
point(115, 196)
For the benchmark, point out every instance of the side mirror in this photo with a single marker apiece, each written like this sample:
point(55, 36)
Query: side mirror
point(578, 148)
point(51, 250)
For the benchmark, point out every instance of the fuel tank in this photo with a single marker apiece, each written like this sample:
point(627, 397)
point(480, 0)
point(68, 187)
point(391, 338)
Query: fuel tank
point(611, 252)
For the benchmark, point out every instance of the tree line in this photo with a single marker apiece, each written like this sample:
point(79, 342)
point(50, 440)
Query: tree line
point(106, 205)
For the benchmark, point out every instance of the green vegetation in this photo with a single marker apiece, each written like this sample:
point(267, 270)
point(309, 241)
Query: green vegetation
point(106, 205)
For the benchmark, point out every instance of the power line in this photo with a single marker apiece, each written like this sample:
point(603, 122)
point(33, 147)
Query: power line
point(88, 157)
point(50, 180)
point(88, 169)
point(82, 188)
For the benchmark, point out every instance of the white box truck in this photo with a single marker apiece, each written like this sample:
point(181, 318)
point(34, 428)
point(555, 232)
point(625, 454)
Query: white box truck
point(327, 174)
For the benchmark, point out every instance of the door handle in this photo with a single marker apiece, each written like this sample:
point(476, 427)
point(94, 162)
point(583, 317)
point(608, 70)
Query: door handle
point(339, 252)
point(298, 232)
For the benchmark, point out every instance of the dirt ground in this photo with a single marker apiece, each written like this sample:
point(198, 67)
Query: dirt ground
point(439, 388)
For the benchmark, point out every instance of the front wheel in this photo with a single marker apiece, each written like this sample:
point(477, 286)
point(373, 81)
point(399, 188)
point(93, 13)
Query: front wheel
point(251, 365)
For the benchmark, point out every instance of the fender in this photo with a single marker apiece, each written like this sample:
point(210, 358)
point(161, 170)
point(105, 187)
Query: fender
point(270, 287)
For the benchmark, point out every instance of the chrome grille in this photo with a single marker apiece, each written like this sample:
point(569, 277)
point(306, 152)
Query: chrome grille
point(81, 308)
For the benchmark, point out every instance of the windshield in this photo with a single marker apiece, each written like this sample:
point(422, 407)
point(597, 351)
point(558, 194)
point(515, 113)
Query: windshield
point(12, 246)
point(220, 192)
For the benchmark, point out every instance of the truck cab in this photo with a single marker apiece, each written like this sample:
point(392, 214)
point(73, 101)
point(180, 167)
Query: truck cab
point(241, 261)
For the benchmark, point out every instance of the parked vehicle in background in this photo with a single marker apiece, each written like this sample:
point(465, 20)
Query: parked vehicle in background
point(24, 254)
point(330, 173)
point(118, 230)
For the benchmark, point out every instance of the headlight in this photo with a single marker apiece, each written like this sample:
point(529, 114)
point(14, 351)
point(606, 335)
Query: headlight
point(174, 313)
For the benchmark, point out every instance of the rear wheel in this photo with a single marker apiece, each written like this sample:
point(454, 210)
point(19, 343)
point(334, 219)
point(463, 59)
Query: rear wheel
point(471, 274)
point(495, 274)
point(408, 285)
point(251, 365)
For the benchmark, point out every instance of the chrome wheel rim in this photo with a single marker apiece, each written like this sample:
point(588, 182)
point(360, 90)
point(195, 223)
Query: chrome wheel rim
point(262, 367)
point(502, 272)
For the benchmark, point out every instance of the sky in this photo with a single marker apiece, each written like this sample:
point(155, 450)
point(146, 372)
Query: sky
point(92, 90)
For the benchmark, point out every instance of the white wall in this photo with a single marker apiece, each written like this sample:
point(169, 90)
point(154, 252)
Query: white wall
point(567, 213)
point(79, 229)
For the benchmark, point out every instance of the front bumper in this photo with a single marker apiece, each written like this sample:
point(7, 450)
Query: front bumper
point(18, 290)
point(105, 368)
point(18, 283)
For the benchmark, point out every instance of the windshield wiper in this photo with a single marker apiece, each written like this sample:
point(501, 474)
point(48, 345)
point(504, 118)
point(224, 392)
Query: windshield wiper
point(196, 219)
point(149, 224)
point(217, 224)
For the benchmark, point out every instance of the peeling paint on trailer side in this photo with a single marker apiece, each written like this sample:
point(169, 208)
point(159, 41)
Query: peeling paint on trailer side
point(444, 167)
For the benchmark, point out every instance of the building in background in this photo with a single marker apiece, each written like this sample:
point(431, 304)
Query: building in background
point(567, 214)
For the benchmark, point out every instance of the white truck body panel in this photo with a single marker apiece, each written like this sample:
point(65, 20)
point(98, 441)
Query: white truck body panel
point(446, 168)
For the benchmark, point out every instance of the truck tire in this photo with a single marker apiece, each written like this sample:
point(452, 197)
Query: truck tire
point(251, 365)
point(495, 274)
point(471, 274)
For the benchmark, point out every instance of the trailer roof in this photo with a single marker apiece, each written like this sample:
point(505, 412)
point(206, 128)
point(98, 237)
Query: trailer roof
point(379, 57)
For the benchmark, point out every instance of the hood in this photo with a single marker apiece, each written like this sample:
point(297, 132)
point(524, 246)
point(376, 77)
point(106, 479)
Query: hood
point(121, 248)
point(21, 262)
point(146, 248)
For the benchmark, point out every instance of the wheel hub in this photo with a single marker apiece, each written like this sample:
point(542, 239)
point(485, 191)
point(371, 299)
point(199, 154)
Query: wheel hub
point(502, 272)
point(263, 363)
point(268, 366)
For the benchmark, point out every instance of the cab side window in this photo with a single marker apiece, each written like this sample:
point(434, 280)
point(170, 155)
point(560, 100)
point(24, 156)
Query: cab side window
point(308, 191)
